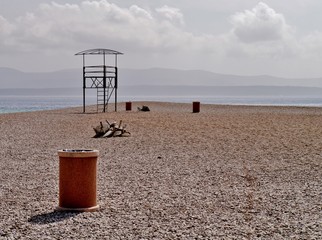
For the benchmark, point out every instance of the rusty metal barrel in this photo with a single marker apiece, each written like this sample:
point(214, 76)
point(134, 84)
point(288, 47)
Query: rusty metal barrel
point(195, 107)
point(77, 180)
point(128, 106)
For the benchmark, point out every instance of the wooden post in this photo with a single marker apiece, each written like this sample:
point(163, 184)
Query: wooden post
point(104, 85)
point(116, 86)
point(84, 88)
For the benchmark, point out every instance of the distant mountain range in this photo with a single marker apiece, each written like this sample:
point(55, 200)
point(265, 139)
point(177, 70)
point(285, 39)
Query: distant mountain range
point(160, 76)
point(159, 81)
point(12, 78)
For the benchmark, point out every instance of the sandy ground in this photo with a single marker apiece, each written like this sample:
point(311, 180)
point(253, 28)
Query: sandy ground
point(228, 172)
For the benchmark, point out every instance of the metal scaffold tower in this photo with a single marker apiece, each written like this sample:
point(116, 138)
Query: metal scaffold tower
point(102, 77)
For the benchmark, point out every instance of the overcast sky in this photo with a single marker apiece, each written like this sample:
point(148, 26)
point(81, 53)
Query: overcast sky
point(279, 38)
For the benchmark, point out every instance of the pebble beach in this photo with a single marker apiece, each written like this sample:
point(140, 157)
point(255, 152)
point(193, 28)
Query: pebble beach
point(228, 172)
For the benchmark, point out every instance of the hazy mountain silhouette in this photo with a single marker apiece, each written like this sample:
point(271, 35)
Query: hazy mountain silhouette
point(159, 81)
point(161, 76)
point(11, 78)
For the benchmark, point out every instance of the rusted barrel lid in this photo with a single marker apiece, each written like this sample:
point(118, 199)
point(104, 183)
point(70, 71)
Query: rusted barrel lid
point(78, 153)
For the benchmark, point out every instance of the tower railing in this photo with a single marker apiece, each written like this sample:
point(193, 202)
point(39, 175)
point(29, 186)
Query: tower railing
point(104, 79)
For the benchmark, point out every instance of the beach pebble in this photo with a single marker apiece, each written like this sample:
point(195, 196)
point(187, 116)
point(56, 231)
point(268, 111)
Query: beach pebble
point(230, 172)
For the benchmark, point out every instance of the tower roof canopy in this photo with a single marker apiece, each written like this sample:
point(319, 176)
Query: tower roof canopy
point(99, 51)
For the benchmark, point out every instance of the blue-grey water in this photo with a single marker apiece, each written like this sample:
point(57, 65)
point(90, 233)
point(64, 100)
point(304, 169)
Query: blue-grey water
point(18, 103)
point(35, 103)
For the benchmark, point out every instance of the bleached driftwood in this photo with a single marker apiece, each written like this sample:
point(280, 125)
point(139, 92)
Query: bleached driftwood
point(106, 130)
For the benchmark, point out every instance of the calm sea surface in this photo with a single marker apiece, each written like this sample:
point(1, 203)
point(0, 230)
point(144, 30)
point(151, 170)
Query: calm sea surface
point(19, 103)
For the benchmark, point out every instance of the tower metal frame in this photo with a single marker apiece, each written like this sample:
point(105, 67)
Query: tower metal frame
point(102, 77)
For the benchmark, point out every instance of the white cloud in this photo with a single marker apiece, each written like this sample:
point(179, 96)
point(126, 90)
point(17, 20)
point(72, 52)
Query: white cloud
point(97, 23)
point(172, 14)
point(312, 45)
point(140, 13)
point(55, 26)
point(261, 23)
point(5, 27)
point(6, 30)
point(263, 33)
point(260, 33)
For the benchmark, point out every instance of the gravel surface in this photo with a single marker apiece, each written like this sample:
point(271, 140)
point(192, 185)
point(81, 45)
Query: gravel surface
point(228, 172)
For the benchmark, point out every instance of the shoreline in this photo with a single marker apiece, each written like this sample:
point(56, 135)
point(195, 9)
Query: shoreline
point(228, 172)
point(24, 102)
point(122, 105)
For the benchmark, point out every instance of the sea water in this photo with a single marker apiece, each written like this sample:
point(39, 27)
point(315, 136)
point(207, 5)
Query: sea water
point(34, 103)
point(19, 103)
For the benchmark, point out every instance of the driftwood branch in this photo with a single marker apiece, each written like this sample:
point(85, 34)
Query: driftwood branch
point(108, 130)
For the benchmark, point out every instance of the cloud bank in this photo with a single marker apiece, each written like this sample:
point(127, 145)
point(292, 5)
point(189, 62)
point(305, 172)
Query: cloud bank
point(102, 23)
point(94, 23)
point(260, 32)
